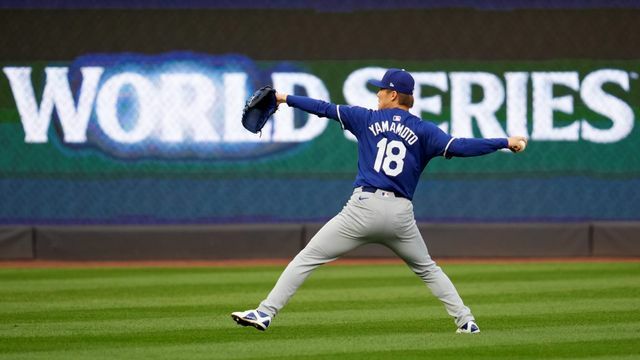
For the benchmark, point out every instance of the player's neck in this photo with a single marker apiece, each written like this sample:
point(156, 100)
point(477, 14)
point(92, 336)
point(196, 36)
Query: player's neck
point(394, 106)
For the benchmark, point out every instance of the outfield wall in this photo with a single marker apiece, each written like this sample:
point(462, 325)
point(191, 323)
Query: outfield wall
point(268, 241)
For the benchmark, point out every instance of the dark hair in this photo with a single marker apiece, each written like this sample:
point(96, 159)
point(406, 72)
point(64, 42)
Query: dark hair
point(405, 100)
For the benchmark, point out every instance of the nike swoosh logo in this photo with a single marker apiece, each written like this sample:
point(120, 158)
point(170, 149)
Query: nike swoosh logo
point(362, 198)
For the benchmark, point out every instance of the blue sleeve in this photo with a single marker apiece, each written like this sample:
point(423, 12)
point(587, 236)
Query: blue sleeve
point(465, 147)
point(439, 143)
point(436, 139)
point(352, 118)
point(313, 106)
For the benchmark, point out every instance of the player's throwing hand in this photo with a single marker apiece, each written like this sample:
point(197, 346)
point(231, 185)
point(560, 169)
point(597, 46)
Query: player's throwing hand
point(517, 143)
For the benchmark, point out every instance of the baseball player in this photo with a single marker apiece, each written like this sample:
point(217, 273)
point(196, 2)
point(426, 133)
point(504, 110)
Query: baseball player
point(394, 147)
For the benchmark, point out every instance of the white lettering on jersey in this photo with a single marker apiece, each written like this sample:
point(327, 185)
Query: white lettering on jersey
point(404, 132)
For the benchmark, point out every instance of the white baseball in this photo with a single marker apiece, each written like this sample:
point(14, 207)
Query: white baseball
point(523, 145)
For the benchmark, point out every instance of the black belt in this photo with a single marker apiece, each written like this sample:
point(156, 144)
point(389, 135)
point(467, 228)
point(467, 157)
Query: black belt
point(371, 189)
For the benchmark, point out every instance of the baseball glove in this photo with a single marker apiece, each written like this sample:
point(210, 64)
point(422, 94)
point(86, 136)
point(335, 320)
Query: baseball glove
point(260, 106)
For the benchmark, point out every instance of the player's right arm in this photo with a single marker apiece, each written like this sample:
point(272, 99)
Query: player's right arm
point(349, 117)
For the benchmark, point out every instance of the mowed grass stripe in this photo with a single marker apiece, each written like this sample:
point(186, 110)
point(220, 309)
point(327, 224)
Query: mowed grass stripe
point(42, 279)
point(339, 289)
point(298, 315)
point(135, 279)
point(232, 275)
point(51, 275)
point(335, 323)
point(27, 291)
point(146, 308)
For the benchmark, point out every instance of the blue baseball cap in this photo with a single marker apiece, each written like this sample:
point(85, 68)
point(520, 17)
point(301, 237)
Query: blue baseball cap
point(396, 79)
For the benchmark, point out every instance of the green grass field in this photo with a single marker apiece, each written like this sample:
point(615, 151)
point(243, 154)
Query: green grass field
point(525, 311)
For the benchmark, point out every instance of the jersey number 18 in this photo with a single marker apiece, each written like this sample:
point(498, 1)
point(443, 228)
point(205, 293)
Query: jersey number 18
point(390, 157)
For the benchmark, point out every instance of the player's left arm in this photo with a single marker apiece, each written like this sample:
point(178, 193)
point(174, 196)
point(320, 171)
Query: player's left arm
point(467, 147)
point(312, 106)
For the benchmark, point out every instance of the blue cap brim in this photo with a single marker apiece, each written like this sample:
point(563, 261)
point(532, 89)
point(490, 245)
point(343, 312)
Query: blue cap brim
point(377, 83)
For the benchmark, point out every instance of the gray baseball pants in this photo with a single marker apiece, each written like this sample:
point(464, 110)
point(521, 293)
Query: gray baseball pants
point(379, 217)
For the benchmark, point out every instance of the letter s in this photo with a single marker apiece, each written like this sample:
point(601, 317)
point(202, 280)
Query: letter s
point(607, 105)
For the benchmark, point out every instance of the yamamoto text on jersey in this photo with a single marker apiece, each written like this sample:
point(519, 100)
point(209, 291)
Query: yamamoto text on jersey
point(404, 132)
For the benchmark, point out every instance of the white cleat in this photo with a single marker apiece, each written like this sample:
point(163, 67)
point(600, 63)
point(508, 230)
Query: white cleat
point(255, 318)
point(469, 328)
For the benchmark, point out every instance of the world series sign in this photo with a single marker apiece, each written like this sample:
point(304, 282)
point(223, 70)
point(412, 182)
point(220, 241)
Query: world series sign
point(182, 105)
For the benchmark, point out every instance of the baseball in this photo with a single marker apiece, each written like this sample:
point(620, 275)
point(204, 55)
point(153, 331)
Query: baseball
point(523, 145)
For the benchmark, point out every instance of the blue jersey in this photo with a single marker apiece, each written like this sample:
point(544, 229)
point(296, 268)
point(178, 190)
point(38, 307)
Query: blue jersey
point(394, 146)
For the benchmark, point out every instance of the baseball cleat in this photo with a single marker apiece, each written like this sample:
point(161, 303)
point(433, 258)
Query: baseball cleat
point(469, 328)
point(255, 318)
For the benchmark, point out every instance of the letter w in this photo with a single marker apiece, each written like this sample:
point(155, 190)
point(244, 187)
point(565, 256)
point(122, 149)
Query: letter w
point(35, 121)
